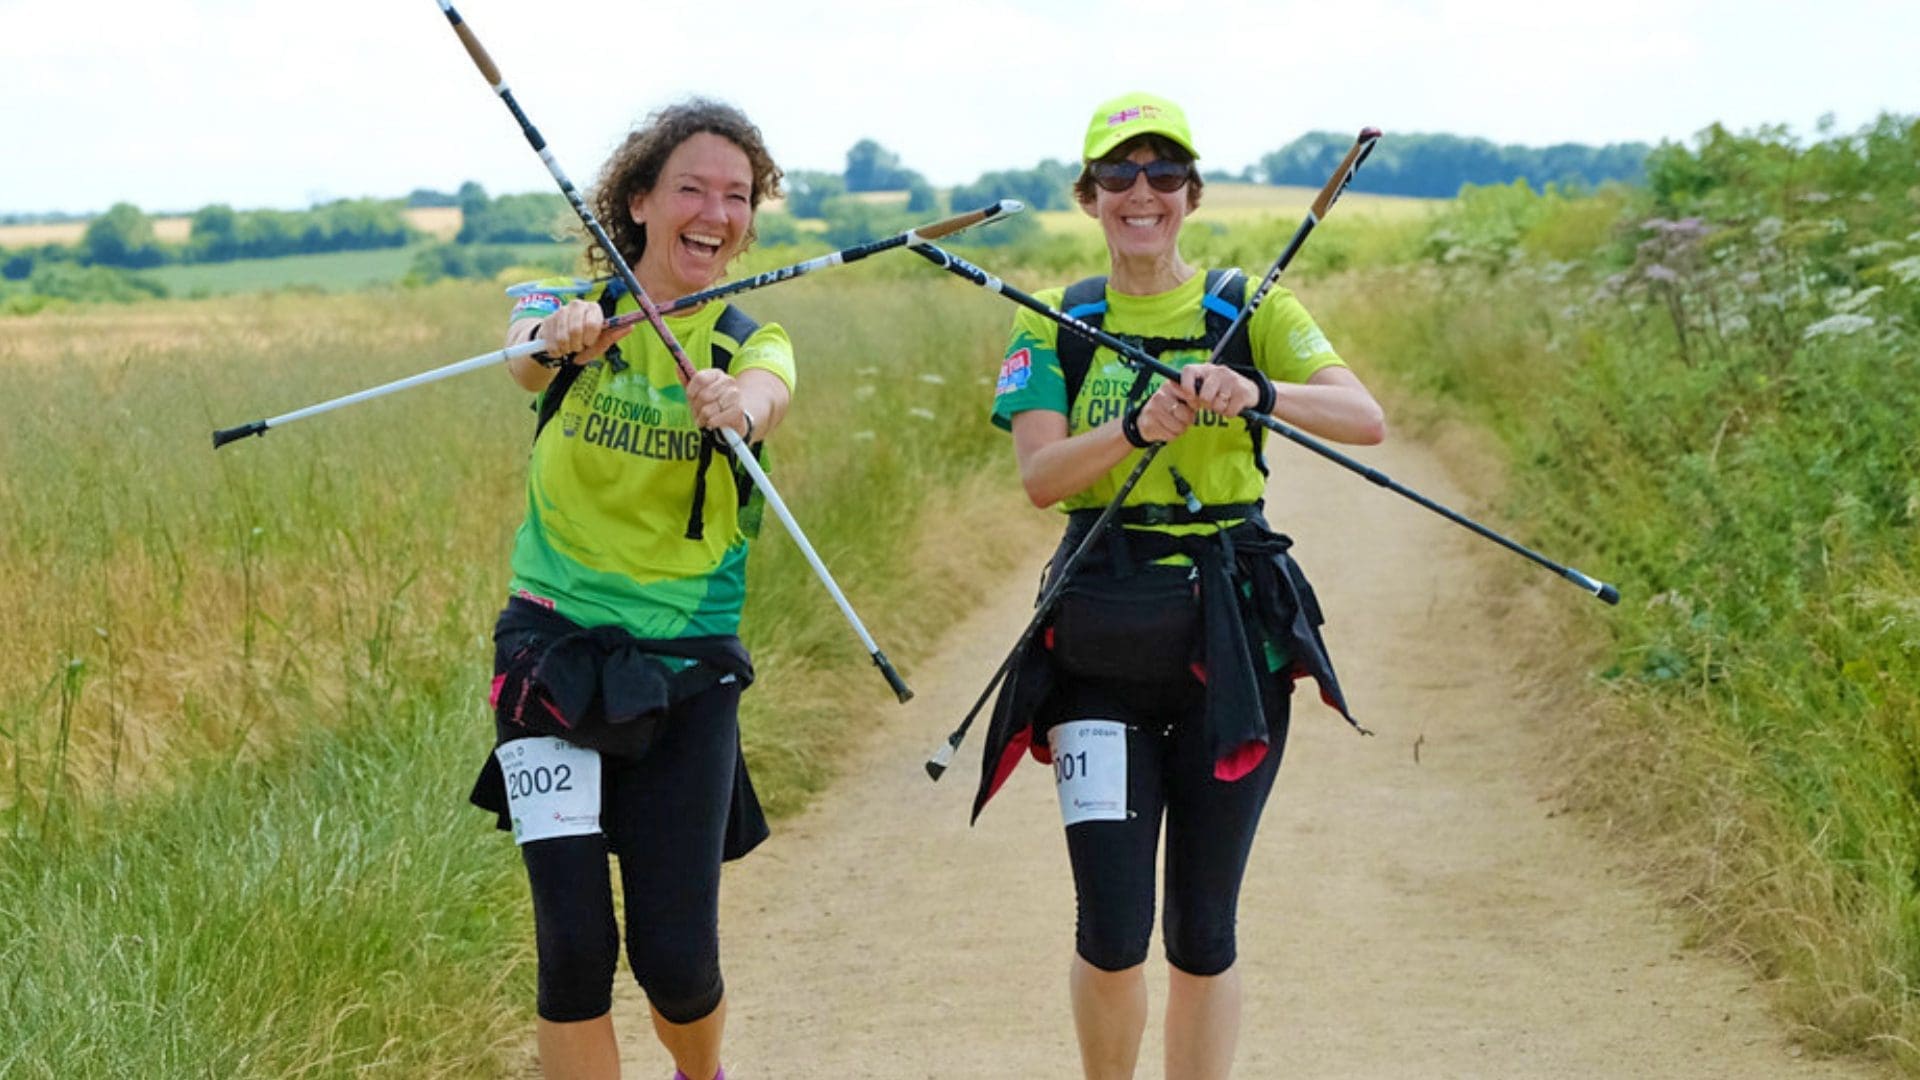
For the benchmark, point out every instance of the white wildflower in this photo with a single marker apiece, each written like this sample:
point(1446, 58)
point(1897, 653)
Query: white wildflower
point(919, 413)
point(862, 393)
point(1734, 324)
point(1838, 324)
point(863, 436)
point(867, 372)
point(1816, 197)
point(1868, 251)
point(1767, 230)
point(931, 377)
point(1859, 300)
point(1907, 270)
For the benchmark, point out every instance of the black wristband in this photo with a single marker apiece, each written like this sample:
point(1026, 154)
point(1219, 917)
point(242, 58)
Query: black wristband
point(1267, 393)
point(1130, 426)
point(547, 360)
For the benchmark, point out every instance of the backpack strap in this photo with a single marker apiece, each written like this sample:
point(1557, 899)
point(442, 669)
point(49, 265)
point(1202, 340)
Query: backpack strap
point(1226, 295)
point(1085, 300)
point(564, 376)
point(730, 331)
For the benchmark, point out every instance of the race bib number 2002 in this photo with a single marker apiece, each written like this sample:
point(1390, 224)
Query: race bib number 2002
point(553, 788)
point(1090, 769)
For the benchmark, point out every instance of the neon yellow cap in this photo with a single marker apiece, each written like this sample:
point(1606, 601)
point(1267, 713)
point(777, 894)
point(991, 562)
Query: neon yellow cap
point(1137, 113)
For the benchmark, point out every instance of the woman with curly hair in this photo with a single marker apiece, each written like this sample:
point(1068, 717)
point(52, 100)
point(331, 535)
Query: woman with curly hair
point(618, 669)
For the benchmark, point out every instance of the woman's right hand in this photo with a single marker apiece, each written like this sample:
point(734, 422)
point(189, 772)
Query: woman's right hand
point(579, 331)
point(1167, 413)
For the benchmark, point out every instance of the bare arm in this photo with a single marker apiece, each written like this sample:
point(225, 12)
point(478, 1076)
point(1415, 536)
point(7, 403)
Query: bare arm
point(1332, 404)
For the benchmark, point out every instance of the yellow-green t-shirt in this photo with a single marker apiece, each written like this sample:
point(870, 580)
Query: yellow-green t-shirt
point(1215, 455)
point(610, 485)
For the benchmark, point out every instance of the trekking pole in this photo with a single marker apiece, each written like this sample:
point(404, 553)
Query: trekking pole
point(1138, 359)
point(1329, 194)
point(932, 231)
point(732, 438)
point(915, 235)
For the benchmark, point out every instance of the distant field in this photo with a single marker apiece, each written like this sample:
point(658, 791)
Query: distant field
point(335, 271)
point(1240, 204)
point(438, 221)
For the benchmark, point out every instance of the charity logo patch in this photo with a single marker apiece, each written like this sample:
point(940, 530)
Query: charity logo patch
point(546, 303)
point(1014, 372)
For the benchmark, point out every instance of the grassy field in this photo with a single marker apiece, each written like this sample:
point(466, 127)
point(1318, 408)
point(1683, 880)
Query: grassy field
point(243, 693)
point(338, 271)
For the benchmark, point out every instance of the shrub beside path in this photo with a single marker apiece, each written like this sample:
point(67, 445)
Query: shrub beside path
point(1415, 907)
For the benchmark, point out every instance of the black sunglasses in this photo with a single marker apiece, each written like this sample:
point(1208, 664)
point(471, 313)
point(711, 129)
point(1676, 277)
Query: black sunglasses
point(1162, 175)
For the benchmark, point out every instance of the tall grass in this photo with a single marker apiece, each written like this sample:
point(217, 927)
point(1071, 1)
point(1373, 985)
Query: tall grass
point(242, 693)
point(1711, 398)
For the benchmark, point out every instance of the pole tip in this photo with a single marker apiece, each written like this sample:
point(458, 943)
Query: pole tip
point(1609, 594)
point(1012, 206)
point(222, 438)
point(1369, 133)
point(937, 764)
point(900, 689)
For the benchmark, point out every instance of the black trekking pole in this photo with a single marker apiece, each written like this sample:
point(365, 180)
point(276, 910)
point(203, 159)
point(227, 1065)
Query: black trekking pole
point(1056, 584)
point(619, 263)
point(932, 231)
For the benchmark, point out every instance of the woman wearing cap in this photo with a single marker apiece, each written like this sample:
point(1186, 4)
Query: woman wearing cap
point(618, 671)
point(1161, 688)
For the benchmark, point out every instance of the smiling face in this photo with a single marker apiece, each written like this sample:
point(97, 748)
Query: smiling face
point(698, 215)
point(1140, 223)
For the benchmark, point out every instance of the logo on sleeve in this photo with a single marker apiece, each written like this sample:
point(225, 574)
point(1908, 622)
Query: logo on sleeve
point(1014, 372)
point(1309, 342)
point(543, 303)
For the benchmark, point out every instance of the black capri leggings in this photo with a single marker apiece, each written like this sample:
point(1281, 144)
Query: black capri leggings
point(665, 818)
point(1210, 829)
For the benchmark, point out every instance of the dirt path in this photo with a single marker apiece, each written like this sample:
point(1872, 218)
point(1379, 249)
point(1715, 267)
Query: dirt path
point(1400, 918)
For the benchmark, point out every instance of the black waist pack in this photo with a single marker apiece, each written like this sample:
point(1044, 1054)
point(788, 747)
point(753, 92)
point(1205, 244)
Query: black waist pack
point(1143, 626)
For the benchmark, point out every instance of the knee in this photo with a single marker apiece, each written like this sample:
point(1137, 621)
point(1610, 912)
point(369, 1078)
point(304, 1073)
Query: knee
point(1202, 946)
point(679, 974)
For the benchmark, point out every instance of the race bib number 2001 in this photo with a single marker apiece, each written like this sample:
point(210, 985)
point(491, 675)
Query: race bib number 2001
point(553, 788)
point(1090, 769)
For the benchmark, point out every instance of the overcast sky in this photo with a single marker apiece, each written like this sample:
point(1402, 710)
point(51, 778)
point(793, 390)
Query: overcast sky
point(256, 103)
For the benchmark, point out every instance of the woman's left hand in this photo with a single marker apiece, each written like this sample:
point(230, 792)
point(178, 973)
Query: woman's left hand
point(1218, 388)
point(714, 398)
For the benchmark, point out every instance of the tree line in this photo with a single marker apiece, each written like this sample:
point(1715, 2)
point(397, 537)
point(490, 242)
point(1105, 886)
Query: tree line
point(1437, 166)
point(1421, 165)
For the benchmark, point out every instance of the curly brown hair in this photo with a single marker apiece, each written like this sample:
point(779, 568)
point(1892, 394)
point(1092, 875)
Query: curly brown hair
point(635, 167)
point(1160, 145)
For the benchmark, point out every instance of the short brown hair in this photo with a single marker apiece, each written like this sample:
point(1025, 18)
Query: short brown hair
point(635, 167)
point(1166, 148)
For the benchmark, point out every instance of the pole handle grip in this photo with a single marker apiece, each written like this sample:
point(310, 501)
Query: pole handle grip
point(1342, 176)
point(474, 49)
